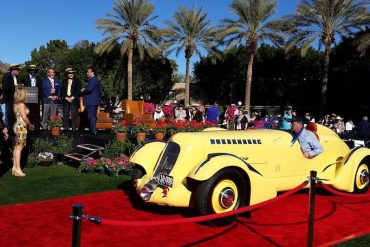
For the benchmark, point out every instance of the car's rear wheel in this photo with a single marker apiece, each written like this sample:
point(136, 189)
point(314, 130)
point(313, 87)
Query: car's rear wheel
point(223, 192)
point(361, 181)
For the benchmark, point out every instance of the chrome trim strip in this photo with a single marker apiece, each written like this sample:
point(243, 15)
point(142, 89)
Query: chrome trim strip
point(352, 151)
point(210, 156)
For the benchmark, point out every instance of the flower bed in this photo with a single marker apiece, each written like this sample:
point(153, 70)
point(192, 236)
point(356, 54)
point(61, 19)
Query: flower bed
point(41, 159)
point(104, 165)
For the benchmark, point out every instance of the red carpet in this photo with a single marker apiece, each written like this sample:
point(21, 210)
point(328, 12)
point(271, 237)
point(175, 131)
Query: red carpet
point(46, 223)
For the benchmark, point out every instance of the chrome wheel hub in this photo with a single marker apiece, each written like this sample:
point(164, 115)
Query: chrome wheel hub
point(226, 198)
point(364, 177)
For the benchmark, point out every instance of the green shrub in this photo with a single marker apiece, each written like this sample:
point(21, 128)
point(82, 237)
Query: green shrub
point(118, 149)
point(59, 145)
point(62, 144)
point(41, 145)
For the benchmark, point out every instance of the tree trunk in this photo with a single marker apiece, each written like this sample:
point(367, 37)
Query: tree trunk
point(129, 74)
point(187, 82)
point(248, 83)
point(324, 82)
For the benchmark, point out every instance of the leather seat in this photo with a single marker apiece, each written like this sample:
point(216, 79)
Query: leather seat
point(103, 121)
point(134, 112)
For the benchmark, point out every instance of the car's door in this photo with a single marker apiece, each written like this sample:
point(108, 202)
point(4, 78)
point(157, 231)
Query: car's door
point(287, 158)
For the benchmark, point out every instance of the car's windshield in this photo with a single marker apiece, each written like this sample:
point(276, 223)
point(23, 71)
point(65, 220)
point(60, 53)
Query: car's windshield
point(168, 159)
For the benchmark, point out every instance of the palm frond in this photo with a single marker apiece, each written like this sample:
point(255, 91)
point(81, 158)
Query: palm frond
point(190, 28)
point(251, 24)
point(130, 20)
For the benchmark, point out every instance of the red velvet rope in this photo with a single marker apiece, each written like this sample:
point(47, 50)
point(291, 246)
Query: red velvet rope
point(205, 217)
point(338, 193)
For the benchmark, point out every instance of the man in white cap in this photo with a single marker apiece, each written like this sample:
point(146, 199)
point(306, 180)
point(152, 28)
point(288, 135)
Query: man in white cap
point(10, 81)
point(69, 94)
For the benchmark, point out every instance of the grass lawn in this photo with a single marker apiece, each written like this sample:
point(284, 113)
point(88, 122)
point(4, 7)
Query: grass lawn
point(358, 242)
point(57, 181)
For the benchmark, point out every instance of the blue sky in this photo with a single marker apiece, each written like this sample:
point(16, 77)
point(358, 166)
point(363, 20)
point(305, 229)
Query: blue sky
point(28, 24)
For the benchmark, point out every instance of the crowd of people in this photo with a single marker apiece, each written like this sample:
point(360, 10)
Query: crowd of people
point(237, 118)
point(23, 97)
point(20, 116)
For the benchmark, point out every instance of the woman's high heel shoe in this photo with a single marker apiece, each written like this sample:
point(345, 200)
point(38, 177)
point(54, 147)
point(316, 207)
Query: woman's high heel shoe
point(19, 173)
point(13, 171)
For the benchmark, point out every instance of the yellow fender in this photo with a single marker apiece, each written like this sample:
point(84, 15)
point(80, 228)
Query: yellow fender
point(260, 188)
point(345, 175)
point(147, 155)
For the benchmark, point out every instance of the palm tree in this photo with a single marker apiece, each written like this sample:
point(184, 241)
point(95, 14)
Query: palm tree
point(250, 27)
point(324, 21)
point(190, 31)
point(129, 27)
point(363, 43)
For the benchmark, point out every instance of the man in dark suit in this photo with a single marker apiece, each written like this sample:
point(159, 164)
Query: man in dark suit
point(69, 93)
point(91, 99)
point(10, 81)
point(33, 80)
point(51, 96)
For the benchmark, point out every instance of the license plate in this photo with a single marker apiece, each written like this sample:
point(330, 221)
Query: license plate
point(165, 180)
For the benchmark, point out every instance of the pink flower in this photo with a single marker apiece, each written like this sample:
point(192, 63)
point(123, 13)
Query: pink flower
point(149, 108)
point(168, 110)
point(90, 161)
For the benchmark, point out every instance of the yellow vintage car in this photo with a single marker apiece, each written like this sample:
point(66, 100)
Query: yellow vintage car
point(218, 170)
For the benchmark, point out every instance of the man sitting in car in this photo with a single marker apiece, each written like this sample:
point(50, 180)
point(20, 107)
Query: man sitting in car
point(309, 142)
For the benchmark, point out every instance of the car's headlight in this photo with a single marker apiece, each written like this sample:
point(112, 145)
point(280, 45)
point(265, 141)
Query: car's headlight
point(146, 192)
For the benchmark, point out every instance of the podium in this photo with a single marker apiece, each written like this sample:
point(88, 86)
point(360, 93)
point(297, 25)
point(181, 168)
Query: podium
point(33, 104)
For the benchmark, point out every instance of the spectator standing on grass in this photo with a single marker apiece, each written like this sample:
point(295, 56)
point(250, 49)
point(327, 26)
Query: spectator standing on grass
point(20, 129)
point(213, 114)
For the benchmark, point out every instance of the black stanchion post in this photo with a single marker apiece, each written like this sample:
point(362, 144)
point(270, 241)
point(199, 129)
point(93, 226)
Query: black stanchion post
point(77, 220)
point(311, 215)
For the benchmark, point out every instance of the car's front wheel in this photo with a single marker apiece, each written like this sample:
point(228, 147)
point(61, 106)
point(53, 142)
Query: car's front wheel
point(223, 192)
point(136, 173)
point(361, 181)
